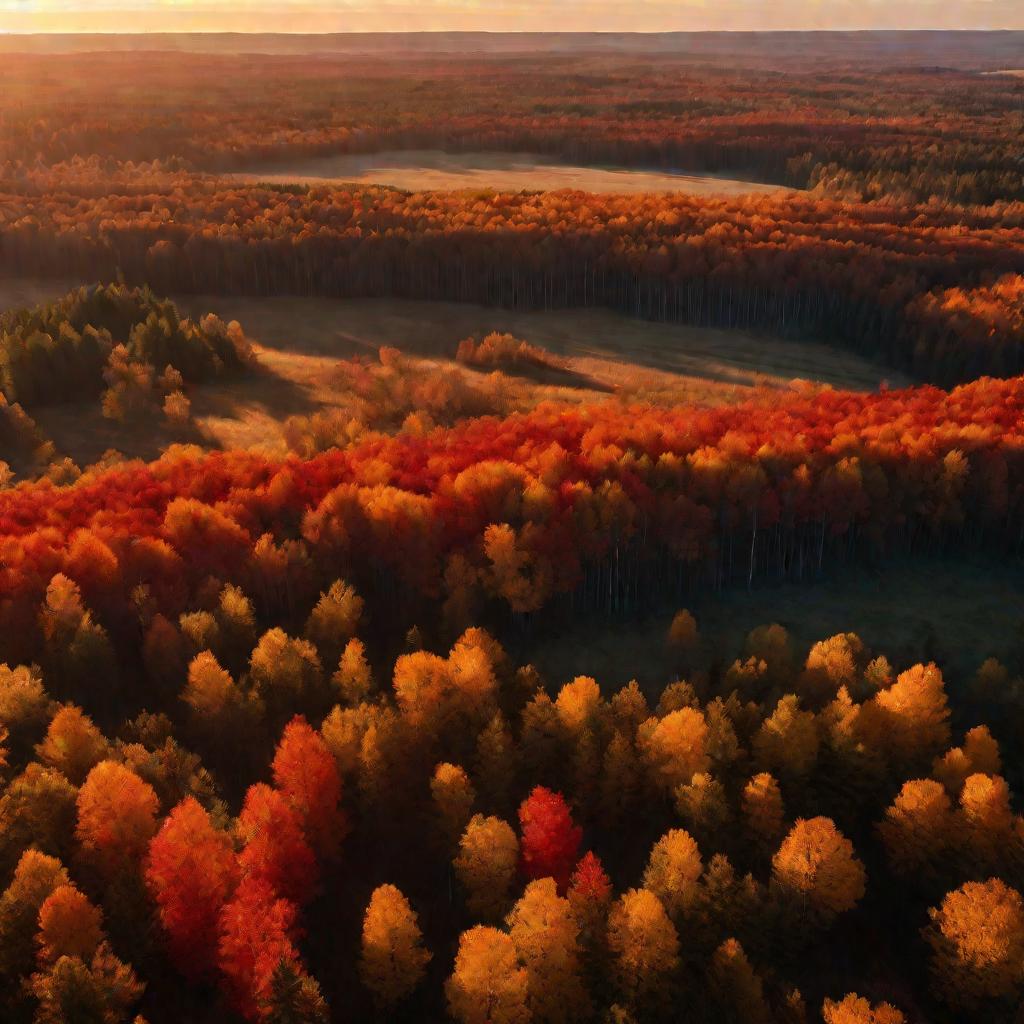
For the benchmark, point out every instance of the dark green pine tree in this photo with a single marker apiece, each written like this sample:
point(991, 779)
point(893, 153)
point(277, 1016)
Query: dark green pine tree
point(294, 998)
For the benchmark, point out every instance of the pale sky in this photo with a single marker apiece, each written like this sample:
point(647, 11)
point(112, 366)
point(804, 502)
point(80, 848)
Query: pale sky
point(501, 15)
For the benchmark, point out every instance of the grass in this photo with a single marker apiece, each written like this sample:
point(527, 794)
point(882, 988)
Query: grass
point(956, 612)
point(608, 347)
point(299, 341)
point(959, 612)
point(434, 170)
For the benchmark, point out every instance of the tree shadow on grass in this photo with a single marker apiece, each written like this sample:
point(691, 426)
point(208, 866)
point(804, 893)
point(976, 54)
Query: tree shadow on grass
point(552, 376)
point(261, 389)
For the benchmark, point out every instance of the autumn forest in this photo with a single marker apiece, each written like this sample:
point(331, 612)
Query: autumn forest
point(419, 603)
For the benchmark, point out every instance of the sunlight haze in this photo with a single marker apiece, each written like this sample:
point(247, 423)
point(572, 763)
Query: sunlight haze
point(514, 15)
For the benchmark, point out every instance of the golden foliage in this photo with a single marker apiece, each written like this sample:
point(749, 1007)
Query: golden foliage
point(674, 748)
point(73, 745)
point(854, 1010)
point(486, 864)
point(24, 705)
point(979, 754)
point(977, 940)
point(762, 806)
point(989, 821)
point(830, 664)
point(333, 621)
point(35, 877)
point(487, 986)
point(453, 796)
point(579, 704)
point(393, 959)
point(284, 671)
point(673, 871)
point(212, 695)
point(545, 933)
point(116, 816)
point(353, 678)
point(703, 805)
point(495, 759)
point(736, 986)
point(644, 945)
point(787, 742)
point(918, 828)
point(816, 866)
point(909, 721)
point(69, 925)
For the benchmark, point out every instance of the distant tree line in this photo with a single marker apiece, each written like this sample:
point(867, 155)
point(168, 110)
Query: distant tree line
point(932, 291)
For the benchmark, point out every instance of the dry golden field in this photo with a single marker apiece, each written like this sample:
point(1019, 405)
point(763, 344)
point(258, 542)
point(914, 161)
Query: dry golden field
point(434, 170)
point(299, 341)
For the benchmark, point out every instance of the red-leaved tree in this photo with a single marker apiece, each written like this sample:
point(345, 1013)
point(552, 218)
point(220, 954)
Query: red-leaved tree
point(276, 851)
point(550, 841)
point(257, 933)
point(306, 775)
point(191, 872)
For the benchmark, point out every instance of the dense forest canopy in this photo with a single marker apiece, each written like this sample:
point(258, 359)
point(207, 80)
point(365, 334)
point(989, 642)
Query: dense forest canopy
point(273, 746)
point(923, 288)
point(853, 129)
point(59, 351)
point(907, 244)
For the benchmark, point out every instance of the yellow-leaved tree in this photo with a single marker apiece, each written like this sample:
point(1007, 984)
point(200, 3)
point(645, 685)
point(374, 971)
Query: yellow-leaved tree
point(909, 721)
point(393, 959)
point(488, 985)
point(69, 925)
point(736, 987)
point(486, 865)
point(673, 871)
point(816, 870)
point(353, 678)
point(918, 828)
point(674, 748)
point(73, 744)
point(116, 817)
point(854, 1010)
point(977, 940)
point(453, 795)
point(545, 933)
point(787, 742)
point(644, 946)
point(763, 809)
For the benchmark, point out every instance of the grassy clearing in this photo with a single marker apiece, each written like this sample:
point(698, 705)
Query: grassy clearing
point(299, 341)
point(603, 353)
point(436, 171)
point(609, 349)
point(956, 612)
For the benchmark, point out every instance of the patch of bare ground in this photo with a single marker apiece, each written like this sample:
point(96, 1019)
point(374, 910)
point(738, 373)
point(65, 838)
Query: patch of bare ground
point(435, 171)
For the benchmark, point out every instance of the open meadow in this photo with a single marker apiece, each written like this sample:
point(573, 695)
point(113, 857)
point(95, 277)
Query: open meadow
point(436, 170)
point(299, 342)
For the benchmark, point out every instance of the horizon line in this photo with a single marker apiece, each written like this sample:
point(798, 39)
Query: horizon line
point(505, 32)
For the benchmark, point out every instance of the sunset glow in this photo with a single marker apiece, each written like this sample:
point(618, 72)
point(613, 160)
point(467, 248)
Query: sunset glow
point(509, 15)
